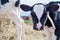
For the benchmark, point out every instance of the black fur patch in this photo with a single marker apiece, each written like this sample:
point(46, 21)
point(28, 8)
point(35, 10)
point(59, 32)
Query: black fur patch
point(4, 1)
point(17, 3)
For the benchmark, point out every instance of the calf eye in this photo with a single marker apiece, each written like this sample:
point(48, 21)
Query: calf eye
point(4, 1)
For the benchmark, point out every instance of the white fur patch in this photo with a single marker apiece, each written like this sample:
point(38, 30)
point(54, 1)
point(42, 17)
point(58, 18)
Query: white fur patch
point(38, 9)
point(39, 25)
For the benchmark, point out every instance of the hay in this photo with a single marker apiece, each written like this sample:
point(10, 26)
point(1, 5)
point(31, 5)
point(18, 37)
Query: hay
point(7, 28)
point(30, 34)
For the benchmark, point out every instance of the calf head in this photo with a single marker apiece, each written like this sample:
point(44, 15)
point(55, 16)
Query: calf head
point(38, 14)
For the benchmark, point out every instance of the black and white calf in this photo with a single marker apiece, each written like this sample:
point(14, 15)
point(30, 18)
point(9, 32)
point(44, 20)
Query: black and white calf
point(38, 13)
point(54, 11)
point(11, 7)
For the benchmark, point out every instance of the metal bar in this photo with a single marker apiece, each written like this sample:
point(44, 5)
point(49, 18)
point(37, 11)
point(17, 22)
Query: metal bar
point(51, 20)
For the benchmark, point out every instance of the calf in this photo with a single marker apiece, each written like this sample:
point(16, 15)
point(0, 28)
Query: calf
point(38, 14)
point(11, 8)
point(54, 11)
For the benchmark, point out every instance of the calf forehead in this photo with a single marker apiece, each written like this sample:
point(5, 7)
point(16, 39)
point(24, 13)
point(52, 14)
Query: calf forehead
point(38, 9)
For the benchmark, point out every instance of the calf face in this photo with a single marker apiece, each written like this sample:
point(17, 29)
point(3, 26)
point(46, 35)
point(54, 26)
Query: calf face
point(38, 14)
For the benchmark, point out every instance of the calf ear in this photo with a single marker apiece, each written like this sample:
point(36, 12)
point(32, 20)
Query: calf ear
point(53, 8)
point(25, 7)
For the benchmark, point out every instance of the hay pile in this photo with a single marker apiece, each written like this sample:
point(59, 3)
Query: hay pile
point(7, 28)
point(30, 34)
